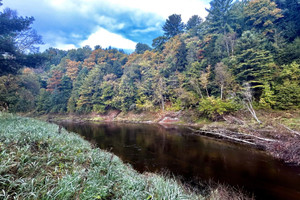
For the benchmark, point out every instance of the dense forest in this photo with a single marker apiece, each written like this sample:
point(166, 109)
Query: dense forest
point(244, 54)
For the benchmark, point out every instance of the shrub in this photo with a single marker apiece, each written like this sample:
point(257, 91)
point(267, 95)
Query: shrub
point(287, 96)
point(214, 108)
point(99, 108)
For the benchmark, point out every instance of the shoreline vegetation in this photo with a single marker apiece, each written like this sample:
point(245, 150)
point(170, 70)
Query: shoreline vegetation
point(40, 160)
point(278, 133)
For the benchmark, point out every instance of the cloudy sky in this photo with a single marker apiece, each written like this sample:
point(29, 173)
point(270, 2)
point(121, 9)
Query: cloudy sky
point(67, 24)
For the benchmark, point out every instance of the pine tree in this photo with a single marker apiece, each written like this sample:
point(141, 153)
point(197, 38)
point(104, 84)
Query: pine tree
point(90, 85)
point(173, 26)
point(262, 14)
point(219, 16)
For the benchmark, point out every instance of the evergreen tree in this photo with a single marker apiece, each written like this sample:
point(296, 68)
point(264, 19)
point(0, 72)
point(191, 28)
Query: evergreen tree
point(127, 87)
point(88, 89)
point(219, 16)
point(16, 39)
point(76, 90)
point(158, 43)
point(173, 26)
point(193, 22)
point(254, 63)
point(140, 48)
point(262, 14)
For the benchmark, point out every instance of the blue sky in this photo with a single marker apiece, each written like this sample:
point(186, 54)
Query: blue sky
point(67, 24)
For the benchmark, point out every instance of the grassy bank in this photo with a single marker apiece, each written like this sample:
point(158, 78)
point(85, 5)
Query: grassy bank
point(40, 161)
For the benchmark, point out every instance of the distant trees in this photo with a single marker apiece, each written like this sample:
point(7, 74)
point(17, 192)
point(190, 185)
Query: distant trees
point(242, 52)
point(140, 48)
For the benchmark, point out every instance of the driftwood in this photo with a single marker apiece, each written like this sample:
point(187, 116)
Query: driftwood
point(235, 136)
point(254, 136)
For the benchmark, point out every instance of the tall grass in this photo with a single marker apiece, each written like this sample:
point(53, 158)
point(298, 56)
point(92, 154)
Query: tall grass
point(38, 162)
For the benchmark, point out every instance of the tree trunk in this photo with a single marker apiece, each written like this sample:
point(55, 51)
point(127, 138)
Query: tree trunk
point(252, 111)
point(227, 47)
point(199, 91)
point(161, 94)
point(222, 91)
point(162, 103)
point(206, 91)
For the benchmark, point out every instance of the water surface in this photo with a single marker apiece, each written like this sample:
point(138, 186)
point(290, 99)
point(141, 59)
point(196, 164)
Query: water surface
point(155, 148)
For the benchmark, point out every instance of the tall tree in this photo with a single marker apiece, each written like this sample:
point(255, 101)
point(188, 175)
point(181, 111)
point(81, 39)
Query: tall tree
point(204, 79)
point(173, 26)
point(193, 22)
point(223, 76)
point(219, 16)
point(16, 38)
point(158, 43)
point(128, 88)
point(75, 94)
point(262, 14)
point(90, 85)
point(254, 60)
point(289, 25)
point(72, 68)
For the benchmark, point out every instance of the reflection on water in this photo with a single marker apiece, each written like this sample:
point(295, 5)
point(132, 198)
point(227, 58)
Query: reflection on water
point(155, 148)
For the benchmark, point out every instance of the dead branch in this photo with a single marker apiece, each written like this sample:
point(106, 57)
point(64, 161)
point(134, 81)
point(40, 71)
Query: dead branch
point(292, 131)
point(254, 136)
point(224, 136)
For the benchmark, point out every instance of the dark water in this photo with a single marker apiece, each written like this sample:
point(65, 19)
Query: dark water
point(155, 148)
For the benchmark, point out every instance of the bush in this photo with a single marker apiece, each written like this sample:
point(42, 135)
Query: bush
point(214, 108)
point(99, 108)
point(287, 96)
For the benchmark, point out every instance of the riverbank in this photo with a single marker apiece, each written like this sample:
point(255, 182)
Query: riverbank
point(278, 134)
point(40, 160)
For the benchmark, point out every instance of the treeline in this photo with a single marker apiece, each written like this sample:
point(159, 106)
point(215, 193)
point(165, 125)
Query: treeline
point(242, 51)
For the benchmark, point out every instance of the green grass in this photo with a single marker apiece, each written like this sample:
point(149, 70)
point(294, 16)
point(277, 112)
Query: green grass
point(38, 162)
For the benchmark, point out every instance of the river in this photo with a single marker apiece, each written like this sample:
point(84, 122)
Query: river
point(190, 157)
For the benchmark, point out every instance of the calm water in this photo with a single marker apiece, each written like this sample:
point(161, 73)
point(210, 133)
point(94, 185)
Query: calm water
point(155, 148)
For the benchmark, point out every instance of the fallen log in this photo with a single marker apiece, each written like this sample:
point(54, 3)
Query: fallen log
point(226, 136)
point(295, 132)
point(258, 142)
point(254, 136)
point(236, 133)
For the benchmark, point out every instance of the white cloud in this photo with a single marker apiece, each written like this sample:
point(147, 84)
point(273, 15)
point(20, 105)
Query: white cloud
point(109, 22)
point(57, 45)
point(166, 8)
point(147, 30)
point(63, 46)
point(65, 23)
point(58, 41)
point(163, 8)
point(105, 39)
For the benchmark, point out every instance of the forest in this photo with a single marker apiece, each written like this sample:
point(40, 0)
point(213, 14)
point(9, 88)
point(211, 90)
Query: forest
point(244, 54)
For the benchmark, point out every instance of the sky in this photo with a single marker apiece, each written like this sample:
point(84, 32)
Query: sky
point(68, 24)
